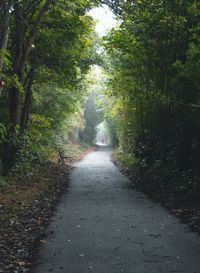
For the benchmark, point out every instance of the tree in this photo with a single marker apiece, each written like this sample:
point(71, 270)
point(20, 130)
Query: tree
point(35, 25)
point(154, 89)
point(5, 7)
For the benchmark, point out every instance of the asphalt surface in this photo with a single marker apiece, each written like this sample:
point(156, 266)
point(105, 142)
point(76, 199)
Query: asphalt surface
point(103, 225)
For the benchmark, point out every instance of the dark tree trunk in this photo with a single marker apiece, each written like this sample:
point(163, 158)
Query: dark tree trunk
point(2, 3)
point(4, 28)
point(9, 155)
point(27, 102)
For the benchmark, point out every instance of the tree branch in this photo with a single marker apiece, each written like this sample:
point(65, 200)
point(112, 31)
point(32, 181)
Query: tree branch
point(30, 40)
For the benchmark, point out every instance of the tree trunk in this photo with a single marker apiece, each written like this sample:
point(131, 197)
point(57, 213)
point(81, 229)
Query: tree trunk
point(4, 28)
point(27, 102)
point(1, 3)
point(9, 154)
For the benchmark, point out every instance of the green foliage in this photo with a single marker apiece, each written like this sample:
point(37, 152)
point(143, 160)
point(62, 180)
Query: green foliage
point(40, 104)
point(3, 132)
point(4, 55)
point(92, 118)
point(14, 80)
point(127, 159)
point(4, 182)
point(94, 85)
point(154, 90)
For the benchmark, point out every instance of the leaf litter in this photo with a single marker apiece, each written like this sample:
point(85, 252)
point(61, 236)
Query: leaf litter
point(26, 208)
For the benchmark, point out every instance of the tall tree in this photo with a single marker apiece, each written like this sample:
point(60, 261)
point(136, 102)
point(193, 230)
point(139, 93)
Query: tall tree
point(155, 90)
point(26, 18)
point(5, 7)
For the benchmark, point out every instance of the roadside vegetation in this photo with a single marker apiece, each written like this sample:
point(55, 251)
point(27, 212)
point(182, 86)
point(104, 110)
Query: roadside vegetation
point(154, 91)
point(47, 48)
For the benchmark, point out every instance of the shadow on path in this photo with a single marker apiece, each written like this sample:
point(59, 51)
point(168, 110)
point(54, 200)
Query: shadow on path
point(104, 226)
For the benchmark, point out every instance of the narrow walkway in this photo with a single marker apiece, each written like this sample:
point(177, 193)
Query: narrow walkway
point(104, 226)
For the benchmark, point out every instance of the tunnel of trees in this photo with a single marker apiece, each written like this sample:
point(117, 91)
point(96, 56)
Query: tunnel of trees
point(150, 96)
point(64, 87)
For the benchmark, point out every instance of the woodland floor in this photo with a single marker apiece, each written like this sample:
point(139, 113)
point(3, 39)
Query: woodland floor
point(25, 210)
point(27, 207)
point(188, 211)
point(104, 225)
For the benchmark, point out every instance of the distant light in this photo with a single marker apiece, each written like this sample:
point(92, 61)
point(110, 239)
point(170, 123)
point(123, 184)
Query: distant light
point(99, 110)
point(105, 19)
point(2, 83)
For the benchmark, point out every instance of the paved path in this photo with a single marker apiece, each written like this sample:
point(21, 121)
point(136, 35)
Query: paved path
point(104, 226)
